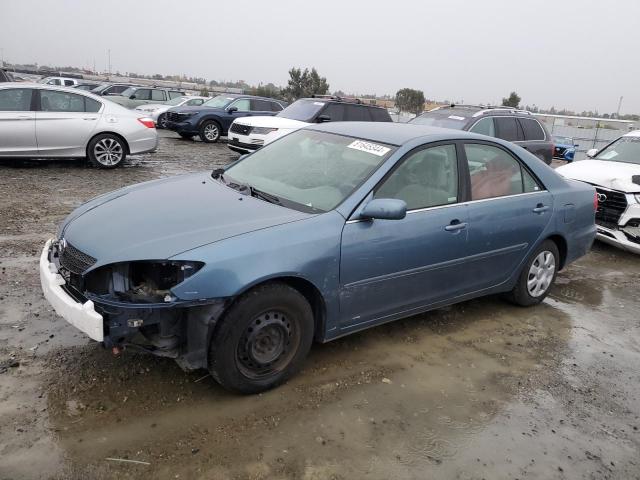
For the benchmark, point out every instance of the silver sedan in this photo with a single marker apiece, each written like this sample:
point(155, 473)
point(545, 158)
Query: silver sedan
point(158, 111)
point(43, 121)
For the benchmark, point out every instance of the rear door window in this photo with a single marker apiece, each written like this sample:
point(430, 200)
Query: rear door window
point(91, 105)
point(484, 126)
point(143, 94)
point(53, 101)
point(355, 113)
point(508, 129)
point(173, 95)
point(68, 82)
point(15, 100)
point(260, 105)
point(158, 95)
point(335, 112)
point(494, 173)
point(276, 107)
point(532, 129)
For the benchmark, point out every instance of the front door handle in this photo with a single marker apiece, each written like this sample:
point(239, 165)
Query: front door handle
point(540, 208)
point(455, 226)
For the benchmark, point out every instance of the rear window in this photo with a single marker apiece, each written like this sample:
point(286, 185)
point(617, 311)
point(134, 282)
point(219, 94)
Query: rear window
point(379, 115)
point(446, 118)
point(508, 129)
point(532, 129)
point(303, 110)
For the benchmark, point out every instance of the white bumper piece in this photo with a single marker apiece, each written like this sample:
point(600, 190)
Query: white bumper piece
point(81, 315)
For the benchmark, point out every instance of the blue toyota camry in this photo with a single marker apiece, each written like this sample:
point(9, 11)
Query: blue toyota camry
point(329, 230)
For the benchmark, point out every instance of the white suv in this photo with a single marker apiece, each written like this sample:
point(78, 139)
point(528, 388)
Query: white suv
point(615, 172)
point(247, 134)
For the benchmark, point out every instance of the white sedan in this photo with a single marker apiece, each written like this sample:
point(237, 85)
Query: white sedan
point(158, 112)
point(43, 121)
point(615, 172)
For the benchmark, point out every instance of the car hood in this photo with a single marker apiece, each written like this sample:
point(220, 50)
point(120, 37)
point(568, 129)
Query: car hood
point(613, 175)
point(162, 218)
point(273, 122)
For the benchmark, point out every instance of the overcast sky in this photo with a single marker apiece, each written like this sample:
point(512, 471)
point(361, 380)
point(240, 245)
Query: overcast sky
point(567, 53)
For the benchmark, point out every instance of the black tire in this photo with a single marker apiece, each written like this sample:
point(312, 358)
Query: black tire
point(162, 121)
point(262, 340)
point(186, 136)
point(210, 131)
point(523, 294)
point(106, 151)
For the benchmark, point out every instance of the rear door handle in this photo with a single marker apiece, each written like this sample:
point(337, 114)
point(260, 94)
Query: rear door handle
point(540, 208)
point(455, 225)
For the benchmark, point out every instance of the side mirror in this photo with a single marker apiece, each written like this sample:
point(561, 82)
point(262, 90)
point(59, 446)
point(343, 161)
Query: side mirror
point(324, 118)
point(232, 109)
point(385, 209)
point(592, 152)
point(133, 97)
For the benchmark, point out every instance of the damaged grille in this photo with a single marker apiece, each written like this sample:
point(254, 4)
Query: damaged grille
point(74, 260)
point(175, 117)
point(240, 129)
point(611, 209)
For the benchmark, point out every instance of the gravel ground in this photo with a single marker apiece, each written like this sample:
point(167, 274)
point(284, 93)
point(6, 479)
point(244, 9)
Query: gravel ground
point(479, 390)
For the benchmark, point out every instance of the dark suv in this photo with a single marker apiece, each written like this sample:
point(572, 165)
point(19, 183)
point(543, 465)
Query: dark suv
point(213, 118)
point(511, 124)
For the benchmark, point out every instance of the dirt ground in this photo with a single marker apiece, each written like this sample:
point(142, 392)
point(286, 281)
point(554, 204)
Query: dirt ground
point(479, 390)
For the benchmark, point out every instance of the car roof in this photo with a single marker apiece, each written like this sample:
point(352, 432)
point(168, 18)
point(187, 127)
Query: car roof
point(634, 133)
point(343, 101)
point(43, 86)
point(389, 132)
point(479, 110)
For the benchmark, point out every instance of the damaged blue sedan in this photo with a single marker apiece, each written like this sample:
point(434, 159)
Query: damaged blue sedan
point(329, 230)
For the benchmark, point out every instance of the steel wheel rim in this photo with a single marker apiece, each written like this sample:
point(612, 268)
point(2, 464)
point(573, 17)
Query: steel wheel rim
point(267, 345)
point(541, 273)
point(211, 132)
point(108, 152)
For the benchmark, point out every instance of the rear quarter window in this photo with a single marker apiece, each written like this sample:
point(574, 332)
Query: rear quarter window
point(532, 129)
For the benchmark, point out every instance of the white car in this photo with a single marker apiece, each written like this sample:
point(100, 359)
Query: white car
point(158, 112)
point(615, 172)
point(247, 134)
point(60, 81)
point(43, 121)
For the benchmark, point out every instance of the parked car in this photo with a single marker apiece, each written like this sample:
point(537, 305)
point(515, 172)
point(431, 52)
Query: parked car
point(61, 81)
point(332, 229)
point(133, 97)
point(87, 87)
point(565, 148)
point(6, 76)
point(615, 173)
point(44, 121)
point(250, 133)
point(517, 126)
point(158, 112)
point(212, 119)
point(107, 89)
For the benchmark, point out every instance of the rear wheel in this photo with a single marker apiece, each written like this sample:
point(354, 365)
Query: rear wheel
point(262, 340)
point(106, 151)
point(210, 131)
point(537, 276)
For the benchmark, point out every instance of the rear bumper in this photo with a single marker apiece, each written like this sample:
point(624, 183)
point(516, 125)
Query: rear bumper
point(83, 316)
point(144, 145)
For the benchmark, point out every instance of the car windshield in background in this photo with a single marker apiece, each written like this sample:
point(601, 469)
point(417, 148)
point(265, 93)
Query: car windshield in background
point(443, 119)
point(625, 149)
point(176, 101)
point(302, 110)
point(310, 171)
point(563, 140)
point(220, 101)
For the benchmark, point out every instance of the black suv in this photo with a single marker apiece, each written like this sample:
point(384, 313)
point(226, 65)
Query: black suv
point(507, 123)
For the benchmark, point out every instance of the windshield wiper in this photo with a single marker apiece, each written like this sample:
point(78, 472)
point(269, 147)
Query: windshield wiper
point(267, 197)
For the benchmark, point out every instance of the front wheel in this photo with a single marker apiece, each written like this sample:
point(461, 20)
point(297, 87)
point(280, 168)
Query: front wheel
point(106, 151)
point(537, 276)
point(262, 340)
point(210, 131)
point(162, 121)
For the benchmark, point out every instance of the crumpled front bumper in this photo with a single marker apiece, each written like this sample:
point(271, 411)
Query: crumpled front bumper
point(81, 315)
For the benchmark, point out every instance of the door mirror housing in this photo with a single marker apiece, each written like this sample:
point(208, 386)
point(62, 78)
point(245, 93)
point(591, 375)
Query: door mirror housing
point(592, 152)
point(323, 118)
point(132, 97)
point(385, 209)
point(232, 109)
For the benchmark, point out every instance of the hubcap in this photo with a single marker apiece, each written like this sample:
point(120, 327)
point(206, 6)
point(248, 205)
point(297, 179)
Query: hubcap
point(163, 120)
point(108, 151)
point(211, 132)
point(267, 345)
point(541, 273)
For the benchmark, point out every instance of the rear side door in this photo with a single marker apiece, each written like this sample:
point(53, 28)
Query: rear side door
point(391, 267)
point(65, 122)
point(508, 211)
point(535, 139)
point(17, 122)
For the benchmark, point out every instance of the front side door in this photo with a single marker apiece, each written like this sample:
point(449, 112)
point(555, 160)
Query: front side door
point(17, 122)
point(391, 267)
point(508, 210)
point(238, 109)
point(65, 122)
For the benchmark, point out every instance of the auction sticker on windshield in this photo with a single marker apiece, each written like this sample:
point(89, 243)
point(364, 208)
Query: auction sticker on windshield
point(373, 148)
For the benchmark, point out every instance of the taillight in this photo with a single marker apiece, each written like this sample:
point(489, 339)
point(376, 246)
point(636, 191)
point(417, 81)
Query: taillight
point(595, 202)
point(147, 122)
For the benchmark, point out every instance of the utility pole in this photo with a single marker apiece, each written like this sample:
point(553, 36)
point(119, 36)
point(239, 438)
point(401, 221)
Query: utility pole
point(109, 61)
point(1, 57)
point(619, 106)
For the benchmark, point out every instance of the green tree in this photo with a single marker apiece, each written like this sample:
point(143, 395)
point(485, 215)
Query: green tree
point(304, 84)
point(204, 92)
point(512, 101)
point(410, 100)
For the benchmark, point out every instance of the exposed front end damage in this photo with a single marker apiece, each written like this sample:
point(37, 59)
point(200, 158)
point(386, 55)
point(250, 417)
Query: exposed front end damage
point(130, 304)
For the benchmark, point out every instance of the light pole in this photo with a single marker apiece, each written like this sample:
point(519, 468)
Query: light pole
point(619, 106)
